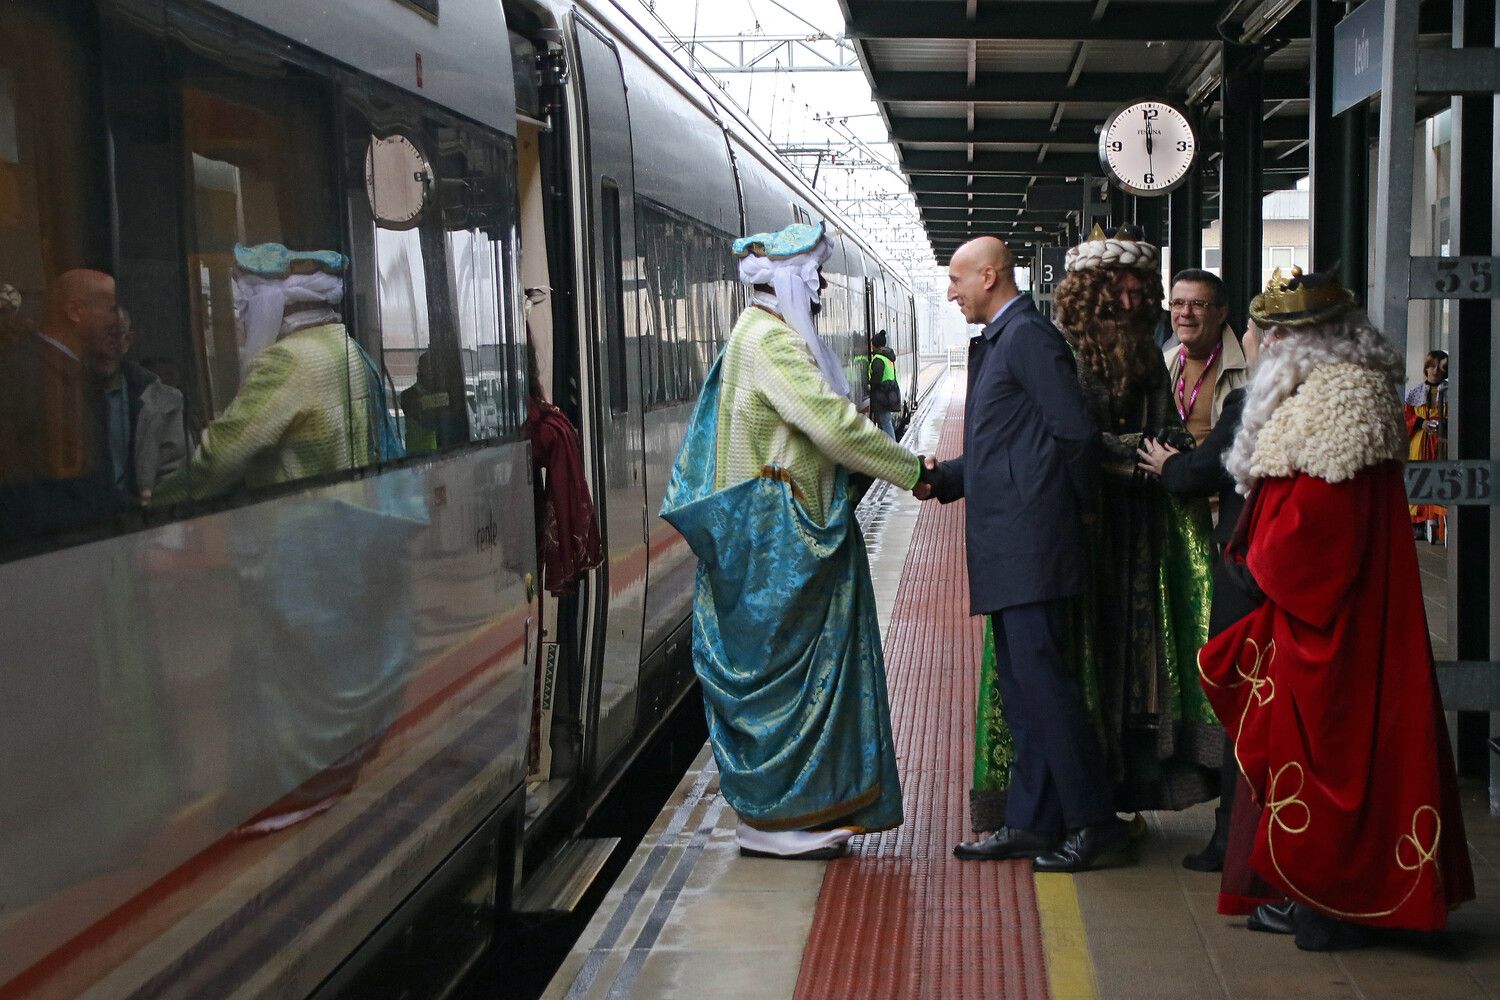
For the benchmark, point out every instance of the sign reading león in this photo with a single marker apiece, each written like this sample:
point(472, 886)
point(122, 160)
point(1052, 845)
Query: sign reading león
point(1357, 48)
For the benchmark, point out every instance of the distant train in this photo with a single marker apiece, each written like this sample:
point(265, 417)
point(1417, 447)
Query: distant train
point(251, 742)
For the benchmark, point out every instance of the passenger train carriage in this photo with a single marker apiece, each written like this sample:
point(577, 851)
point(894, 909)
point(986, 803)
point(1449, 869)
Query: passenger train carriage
point(248, 740)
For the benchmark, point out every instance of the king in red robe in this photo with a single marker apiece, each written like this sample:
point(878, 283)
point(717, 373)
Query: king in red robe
point(1328, 687)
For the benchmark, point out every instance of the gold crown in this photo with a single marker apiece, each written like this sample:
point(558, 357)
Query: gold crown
point(1297, 300)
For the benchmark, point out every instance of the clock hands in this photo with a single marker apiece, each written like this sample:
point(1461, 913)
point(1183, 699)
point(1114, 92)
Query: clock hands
point(1150, 166)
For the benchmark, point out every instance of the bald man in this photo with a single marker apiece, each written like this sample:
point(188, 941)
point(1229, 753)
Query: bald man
point(1029, 472)
point(53, 473)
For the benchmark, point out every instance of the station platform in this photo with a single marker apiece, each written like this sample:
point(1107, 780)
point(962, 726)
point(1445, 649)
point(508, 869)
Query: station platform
point(901, 918)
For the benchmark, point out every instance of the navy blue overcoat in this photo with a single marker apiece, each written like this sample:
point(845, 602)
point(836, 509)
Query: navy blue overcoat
point(1030, 466)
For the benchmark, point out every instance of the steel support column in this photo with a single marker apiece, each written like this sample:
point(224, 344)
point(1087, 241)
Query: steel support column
point(1186, 221)
point(1240, 178)
point(1472, 205)
point(1150, 216)
point(1336, 145)
point(1393, 186)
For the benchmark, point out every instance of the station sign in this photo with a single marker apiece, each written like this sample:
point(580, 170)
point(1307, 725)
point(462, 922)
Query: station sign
point(1459, 484)
point(1050, 268)
point(1357, 49)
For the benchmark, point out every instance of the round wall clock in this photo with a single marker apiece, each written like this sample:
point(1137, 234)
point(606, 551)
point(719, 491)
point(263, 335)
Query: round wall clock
point(398, 180)
point(1148, 147)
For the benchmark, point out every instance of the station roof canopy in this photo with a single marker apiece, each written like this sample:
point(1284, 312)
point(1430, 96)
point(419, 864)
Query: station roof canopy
point(984, 98)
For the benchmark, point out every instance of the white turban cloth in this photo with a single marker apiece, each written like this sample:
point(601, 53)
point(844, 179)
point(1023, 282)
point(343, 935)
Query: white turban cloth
point(268, 308)
point(796, 281)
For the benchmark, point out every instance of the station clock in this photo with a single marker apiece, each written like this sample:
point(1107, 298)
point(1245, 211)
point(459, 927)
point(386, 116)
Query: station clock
point(1148, 147)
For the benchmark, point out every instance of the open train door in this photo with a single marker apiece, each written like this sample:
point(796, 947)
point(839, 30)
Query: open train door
point(610, 348)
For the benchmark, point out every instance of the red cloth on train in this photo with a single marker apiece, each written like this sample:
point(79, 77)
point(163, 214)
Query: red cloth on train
point(569, 530)
point(1329, 691)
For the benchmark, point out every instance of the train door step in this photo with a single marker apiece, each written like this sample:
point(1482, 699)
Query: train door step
point(560, 884)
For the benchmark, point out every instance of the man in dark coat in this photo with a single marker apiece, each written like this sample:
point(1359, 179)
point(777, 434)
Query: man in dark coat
point(1029, 471)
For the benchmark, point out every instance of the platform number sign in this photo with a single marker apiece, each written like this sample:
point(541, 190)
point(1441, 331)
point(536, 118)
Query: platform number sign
point(1460, 484)
point(1050, 269)
point(1454, 278)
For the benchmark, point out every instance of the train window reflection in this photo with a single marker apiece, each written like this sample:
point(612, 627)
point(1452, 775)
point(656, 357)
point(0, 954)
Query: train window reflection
point(56, 313)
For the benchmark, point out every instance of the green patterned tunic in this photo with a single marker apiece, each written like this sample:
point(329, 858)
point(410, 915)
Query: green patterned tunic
point(777, 411)
point(302, 411)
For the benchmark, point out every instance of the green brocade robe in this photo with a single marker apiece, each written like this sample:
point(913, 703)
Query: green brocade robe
point(1133, 638)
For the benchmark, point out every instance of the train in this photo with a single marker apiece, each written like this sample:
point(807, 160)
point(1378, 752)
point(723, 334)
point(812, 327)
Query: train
point(269, 741)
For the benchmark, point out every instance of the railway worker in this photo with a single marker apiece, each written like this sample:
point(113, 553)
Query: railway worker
point(785, 637)
point(885, 389)
point(1328, 686)
point(1029, 470)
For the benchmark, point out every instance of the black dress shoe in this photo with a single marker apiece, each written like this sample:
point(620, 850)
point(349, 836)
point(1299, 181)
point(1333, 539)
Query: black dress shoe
point(1274, 918)
point(1005, 844)
point(1090, 847)
point(1320, 932)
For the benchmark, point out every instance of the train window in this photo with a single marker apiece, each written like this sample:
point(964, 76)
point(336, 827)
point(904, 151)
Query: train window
point(431, 207)
point(614, 300)
point(57, 461)
point(686, 281)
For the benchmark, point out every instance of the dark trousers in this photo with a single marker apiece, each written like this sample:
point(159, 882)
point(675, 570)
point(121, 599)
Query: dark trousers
point(1057, 781)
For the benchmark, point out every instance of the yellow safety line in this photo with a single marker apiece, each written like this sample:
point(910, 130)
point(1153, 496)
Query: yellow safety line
point(1070, 969)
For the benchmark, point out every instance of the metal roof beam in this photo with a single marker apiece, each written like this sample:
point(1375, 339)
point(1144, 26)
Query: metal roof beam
point(949, 184)
point(1123, 20)
point(910, 130)
point(929, 161)
point(1010, 88)
point(964, 199)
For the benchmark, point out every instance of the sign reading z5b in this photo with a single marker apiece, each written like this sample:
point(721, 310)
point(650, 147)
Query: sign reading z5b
point(1462, 484)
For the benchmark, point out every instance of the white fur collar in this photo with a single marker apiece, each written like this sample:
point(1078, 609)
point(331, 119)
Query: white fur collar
point(1342, 419)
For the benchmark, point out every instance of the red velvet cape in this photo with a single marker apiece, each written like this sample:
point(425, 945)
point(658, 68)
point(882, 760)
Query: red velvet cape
point(1329, 692)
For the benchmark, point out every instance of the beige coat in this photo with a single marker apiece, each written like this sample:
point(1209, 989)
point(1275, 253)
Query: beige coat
point(1233, 371)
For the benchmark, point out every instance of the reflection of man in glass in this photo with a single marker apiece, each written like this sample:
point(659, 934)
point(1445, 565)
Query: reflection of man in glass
point(310, 402)
point(53, 473)
point(429, 419)
point(144, 429)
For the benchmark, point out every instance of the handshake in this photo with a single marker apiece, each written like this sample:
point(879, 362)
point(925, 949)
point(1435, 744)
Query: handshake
point(926, 487)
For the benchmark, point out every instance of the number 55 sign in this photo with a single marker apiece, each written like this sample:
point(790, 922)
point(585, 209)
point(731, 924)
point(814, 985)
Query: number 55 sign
point(1454, 278)
point(1462, 484)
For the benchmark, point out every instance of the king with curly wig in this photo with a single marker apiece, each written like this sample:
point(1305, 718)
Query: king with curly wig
point(1116, 343)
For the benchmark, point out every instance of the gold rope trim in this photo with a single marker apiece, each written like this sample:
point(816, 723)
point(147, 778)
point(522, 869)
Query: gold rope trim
point(1424, 854)
point(781, 475)
point(1262, 688)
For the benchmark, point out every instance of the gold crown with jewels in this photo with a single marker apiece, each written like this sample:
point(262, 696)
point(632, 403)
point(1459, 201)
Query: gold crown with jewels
point(1296, 299)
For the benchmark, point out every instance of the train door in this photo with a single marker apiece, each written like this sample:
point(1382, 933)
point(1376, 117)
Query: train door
point(610, 331)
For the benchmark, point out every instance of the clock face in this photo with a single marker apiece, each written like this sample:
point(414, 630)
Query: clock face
point(397, 181)
point(1148, 147)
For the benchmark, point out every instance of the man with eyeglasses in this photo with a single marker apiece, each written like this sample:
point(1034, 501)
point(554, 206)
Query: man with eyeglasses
point(1207, 363)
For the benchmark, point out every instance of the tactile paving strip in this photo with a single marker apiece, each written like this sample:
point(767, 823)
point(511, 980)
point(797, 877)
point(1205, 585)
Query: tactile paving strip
point(901, 917)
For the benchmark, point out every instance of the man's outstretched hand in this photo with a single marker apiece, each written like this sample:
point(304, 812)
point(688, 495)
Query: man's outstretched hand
point(924, 489)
